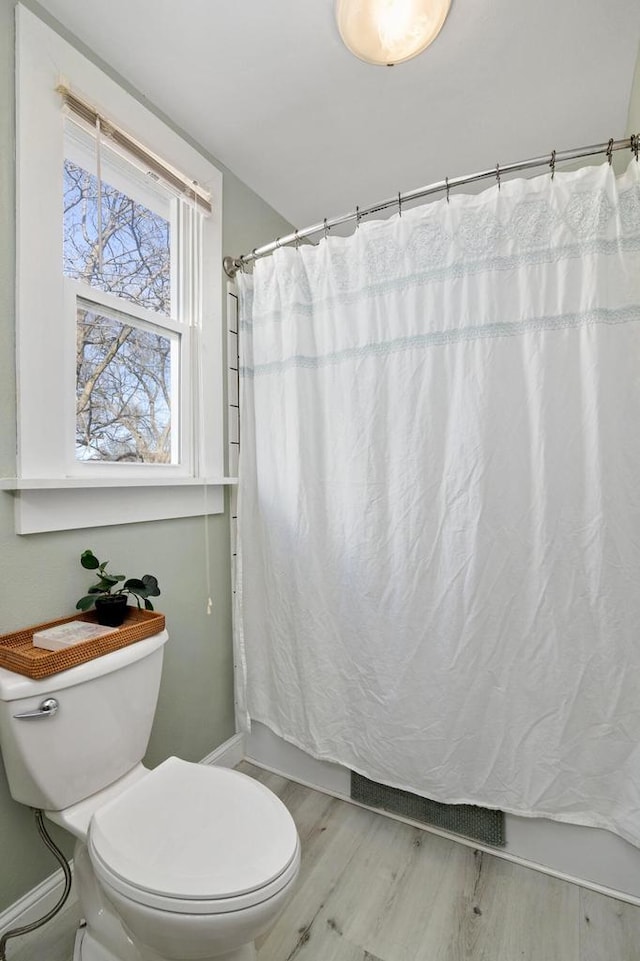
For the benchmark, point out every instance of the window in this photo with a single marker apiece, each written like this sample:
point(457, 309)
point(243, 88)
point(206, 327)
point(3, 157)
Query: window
point(125, 395)
point(119, 299)
point(120, 238)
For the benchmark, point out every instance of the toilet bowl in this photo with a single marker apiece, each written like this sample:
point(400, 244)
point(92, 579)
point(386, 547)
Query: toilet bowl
point(186, 862)
point(195, 860)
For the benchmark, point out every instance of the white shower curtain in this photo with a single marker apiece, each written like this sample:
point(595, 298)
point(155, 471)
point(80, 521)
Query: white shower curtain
point(439, 511)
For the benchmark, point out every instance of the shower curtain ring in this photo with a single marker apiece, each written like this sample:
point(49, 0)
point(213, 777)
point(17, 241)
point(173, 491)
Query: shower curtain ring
point(399, 204)
point(296, 239)
point(635, 144)
point(552, 164)
point(446, 180)
point(610, 151)
point(326, 229)
point(498, 175)
point(357, 218)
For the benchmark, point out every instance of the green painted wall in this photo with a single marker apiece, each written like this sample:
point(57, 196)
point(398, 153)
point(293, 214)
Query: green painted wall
point(40, 575)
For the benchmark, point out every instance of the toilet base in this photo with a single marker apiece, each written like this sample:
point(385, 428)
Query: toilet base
point(86, 948)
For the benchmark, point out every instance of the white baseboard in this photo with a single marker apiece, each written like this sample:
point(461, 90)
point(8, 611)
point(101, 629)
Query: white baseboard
point(228, 754)
point(36, 902)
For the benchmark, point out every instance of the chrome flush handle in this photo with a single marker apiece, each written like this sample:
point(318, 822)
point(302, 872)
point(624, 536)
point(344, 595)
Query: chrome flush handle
point(47, 708)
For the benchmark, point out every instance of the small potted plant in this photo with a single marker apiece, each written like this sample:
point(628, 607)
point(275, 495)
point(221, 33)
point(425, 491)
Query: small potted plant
point(109, 599)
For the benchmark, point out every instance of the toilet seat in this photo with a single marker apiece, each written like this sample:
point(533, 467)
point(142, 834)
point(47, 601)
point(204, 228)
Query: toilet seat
point(193, 839)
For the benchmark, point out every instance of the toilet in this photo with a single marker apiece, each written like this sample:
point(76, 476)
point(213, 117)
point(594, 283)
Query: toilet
point(185, 862)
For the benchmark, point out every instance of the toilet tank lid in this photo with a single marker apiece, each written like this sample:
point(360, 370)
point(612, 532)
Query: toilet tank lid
point(15, 686)
point(191, 831)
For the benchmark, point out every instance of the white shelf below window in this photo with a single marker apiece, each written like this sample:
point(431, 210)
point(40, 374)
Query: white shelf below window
point(43, 505)
point(67, 483)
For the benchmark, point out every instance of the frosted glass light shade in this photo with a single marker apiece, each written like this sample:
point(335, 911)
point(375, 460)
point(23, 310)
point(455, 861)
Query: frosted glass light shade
point(386, 32)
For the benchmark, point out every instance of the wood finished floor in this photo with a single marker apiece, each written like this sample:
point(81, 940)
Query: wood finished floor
point(374, 889)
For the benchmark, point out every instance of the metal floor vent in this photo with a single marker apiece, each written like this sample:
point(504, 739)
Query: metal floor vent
point(477, 823)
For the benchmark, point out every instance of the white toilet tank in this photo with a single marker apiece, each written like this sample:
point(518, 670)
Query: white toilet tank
point(98, 733)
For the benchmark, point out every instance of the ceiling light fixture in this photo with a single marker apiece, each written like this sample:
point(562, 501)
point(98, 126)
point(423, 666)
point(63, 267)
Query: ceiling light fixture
point(386, 32)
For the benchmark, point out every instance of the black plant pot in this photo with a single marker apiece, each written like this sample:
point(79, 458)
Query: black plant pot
point(111, 609)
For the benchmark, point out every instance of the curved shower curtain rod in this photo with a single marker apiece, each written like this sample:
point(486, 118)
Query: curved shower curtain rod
point(233, 264)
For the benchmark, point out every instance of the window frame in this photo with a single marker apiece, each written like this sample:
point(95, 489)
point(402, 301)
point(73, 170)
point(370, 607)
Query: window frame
point(45, 354)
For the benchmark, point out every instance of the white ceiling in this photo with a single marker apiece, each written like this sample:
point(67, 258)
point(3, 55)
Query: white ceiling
point(268, 88)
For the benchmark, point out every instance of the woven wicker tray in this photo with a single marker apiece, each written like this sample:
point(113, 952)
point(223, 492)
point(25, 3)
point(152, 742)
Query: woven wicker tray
point(18, 654)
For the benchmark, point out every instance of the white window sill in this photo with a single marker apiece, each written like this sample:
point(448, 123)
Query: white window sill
point(63, 483)
point(43, 505)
